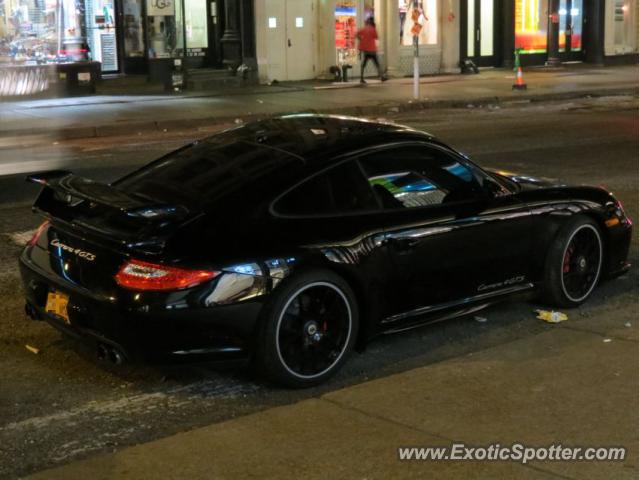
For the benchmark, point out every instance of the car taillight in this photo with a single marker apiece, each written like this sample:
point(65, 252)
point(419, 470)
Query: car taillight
point(139, 275)
point(38, 233)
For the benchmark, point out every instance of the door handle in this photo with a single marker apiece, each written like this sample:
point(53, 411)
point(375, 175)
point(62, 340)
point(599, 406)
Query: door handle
point(289, 43)
point(478, 34)
point(403, 244)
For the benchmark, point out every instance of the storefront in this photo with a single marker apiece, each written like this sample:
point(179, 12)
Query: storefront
point(480, 31)
point(532, 20)
point(38, 37)
point(36, 32)
point(592, 31)
point(305, 39)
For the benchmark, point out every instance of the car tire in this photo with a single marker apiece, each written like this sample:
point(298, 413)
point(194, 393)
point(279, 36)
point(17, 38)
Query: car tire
point(574, 263)
point(307, 330)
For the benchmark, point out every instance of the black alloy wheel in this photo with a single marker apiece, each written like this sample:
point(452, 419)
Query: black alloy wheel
point(308, 330)
point(574, 263)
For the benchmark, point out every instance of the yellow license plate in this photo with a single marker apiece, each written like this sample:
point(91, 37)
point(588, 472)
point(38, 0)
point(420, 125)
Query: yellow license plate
point(57, 304)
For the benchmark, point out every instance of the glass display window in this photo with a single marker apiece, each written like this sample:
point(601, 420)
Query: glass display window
point(196, 27)
point(133, 28)
point(531, 26)
point(417, 17)
point(32, 32)
point(37, 32)
point(570, 25)
point(622, 25)
point(101, 33)
point(346, 32)
point(162, 29)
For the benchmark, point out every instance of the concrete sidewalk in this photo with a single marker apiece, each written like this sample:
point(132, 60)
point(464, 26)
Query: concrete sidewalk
point(575, 384)
point(108, 115)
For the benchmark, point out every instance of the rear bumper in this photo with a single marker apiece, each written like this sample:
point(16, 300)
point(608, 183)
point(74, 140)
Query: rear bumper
point(175, 325)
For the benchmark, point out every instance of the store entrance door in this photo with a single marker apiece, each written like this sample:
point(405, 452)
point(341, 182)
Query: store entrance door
point(290, 41)
point(478, 31)
point(571, 19)
point(299, 31)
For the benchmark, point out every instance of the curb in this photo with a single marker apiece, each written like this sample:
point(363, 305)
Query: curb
point(131, 128)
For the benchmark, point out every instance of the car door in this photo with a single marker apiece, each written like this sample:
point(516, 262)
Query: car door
point(454, 233)
point(335, 217)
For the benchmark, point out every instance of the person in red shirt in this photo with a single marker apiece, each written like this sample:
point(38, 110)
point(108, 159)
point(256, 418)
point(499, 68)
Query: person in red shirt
point(367, 37)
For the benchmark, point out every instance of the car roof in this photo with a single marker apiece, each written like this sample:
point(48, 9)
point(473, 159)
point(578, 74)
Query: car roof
point(235, 170)
point(314, 137)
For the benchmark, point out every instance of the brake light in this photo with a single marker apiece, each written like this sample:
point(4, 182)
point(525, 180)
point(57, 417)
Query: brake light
point(38, 233)
point(139, 275)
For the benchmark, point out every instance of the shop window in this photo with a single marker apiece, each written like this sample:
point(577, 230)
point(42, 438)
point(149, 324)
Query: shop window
point(531, 25)
point(622, 26)
point(346, 32)
point(577, 18)
point(570, 25)
point(196, 26)
point(417, 18)
point(162, 29)
point(133, 30)
point(101, 34)
point(37, 32)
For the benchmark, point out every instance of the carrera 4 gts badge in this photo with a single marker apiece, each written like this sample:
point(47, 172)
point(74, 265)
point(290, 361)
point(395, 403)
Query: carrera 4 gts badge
point(506, 283)
point(76, 251)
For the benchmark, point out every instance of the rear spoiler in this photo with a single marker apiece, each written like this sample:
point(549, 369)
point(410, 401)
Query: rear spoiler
point(124, 218)
point(73, 188)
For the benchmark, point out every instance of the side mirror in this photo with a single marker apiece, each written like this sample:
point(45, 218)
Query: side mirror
point(492, 189)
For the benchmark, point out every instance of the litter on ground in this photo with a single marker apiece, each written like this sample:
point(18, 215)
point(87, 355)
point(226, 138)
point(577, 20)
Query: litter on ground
point(551, 316)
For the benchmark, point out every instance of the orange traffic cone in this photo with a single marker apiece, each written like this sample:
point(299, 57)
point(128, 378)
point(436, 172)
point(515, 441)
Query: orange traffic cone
point(519, 82)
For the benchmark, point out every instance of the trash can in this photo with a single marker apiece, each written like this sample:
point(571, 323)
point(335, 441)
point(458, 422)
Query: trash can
point(169, 72)
point(78, 78)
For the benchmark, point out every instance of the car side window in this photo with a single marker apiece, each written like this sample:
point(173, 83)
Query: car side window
point(418, 176)
point(340, 190)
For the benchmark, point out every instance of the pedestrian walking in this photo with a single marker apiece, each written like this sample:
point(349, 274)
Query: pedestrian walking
point(367, 37)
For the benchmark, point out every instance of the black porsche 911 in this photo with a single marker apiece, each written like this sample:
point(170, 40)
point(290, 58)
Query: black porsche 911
point(291, 240)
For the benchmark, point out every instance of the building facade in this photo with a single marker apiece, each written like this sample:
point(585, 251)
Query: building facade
point(126, 36)
point(288, 40)
point(593, 31)
point(305, 39)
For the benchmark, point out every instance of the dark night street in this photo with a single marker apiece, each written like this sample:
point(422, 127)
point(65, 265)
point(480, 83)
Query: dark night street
point(61, 404)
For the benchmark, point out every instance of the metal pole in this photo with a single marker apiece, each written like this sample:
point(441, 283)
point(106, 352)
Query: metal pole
point(415, 61)
point(553, 34)
point(183, 69)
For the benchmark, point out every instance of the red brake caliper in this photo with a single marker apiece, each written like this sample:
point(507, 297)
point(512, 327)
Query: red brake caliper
point(567, 257)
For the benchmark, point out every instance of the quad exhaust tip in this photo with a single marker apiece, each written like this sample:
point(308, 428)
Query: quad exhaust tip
point(30, 312)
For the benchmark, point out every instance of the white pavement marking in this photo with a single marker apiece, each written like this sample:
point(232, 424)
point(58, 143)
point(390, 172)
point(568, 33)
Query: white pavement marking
point(107, 415)
point(12, 168)
point(220, 388)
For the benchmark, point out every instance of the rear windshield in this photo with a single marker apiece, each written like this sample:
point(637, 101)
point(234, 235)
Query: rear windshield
point(211, 172)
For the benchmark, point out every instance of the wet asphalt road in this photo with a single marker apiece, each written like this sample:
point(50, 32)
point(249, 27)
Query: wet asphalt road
point(61, 404)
